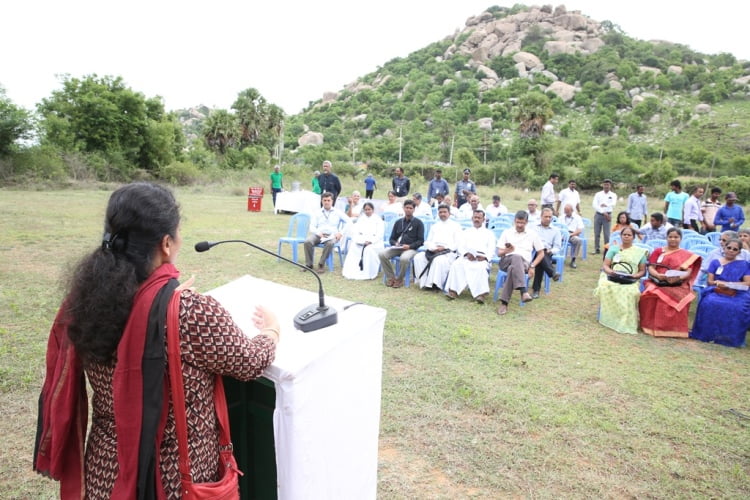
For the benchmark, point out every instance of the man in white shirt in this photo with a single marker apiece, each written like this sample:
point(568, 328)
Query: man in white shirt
point(472, 268)
point(431, 267)
point(496, 208)
point(534, 216)
point(548, 192)
point(569, 196)
point(692, 214)
point(420, 207)
point(637, 208)
point(466, 211)
point(574, 223)
point(709, 209)
point(604, 202)
point(324, 228)
point(552, 240)
point(514, 247)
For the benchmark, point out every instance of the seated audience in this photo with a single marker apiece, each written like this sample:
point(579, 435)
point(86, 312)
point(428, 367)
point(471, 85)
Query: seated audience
point(393, 205)
point(618, 303)
point(466, 211)
point(406, 237)
point(495, 208)
point(447, 200)
point(533, 213)
point(421, 208)
point(723, 314)
point(472, 268)
point(655, 230)
point(623, 221)
point(668, 292)
point(719, 252)
point(574, 223)
point(552, 240)
point(431, 266)
point(362, 262)
point(744, 235)
point(515, 247)
point(354, 205)
point(325, 227)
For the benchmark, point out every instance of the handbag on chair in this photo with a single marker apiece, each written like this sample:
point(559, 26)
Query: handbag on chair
point(622, 277)
point(227, 487)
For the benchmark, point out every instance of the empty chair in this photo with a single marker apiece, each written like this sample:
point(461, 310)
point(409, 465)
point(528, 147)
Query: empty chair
point(299, 224)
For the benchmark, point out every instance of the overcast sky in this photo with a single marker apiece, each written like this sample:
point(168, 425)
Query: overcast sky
point(192, 52)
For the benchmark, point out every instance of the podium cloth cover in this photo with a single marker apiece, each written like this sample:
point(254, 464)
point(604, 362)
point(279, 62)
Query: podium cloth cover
point(297, 201)
point(328, 387)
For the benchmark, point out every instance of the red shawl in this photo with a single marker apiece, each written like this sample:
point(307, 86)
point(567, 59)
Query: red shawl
point(63, 402)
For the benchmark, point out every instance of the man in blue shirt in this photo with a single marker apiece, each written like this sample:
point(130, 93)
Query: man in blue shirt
point(464, 189)
point(730, 216)
point(437, 186)
point(637, 206)
point(370, 186)
point(674, 202)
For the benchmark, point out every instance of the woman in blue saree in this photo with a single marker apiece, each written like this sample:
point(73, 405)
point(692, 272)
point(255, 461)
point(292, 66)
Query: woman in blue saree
point(723, 314)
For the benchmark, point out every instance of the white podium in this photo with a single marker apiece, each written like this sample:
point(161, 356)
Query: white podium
point(297, 201)
point(328, 386)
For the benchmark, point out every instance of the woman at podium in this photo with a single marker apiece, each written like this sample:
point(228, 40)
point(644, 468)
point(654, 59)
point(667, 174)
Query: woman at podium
point(109, 332)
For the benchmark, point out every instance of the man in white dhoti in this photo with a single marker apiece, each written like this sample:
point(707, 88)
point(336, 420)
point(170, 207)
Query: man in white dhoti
point(472, 269)
point(431, 267)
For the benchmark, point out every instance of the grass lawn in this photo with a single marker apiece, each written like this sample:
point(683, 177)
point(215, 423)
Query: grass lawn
point(543, 402)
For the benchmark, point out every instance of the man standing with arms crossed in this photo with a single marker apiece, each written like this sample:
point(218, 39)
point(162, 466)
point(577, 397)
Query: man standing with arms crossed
point(569, 196)
point(604, 203)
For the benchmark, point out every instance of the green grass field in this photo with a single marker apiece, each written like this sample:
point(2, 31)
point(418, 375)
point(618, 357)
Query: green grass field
point(541, 403)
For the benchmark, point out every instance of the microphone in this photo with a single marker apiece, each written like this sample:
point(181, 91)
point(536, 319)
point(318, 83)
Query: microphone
point(310, 318)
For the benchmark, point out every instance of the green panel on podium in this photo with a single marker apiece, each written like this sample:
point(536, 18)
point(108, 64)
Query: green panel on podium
point(251, 406)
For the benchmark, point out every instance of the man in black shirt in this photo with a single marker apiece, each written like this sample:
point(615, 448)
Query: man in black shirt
point(401, 184)
point(328, 181)
point(406, 237)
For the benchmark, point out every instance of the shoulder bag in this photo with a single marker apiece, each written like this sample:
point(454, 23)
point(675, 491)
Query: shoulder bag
point(227, 487)
point(623, 277)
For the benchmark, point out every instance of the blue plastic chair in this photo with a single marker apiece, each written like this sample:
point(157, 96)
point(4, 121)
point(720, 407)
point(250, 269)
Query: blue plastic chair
point(656, 243)
point(338, 248)
point(713, 237)
point(584, 238)
point(299, 225)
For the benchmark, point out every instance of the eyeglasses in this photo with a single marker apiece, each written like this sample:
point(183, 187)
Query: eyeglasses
point(734, 249)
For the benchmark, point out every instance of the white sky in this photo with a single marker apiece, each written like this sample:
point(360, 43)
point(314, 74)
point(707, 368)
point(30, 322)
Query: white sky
point(196, 52)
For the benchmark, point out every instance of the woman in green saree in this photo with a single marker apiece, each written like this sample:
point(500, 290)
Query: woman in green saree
point(618, 303)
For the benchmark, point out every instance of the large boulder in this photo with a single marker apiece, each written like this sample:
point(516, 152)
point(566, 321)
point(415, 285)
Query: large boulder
point(330, 97)
point(563, 90)
point(703, 108)
point(573, 22)
point(489, 73)
point(592, 45)
point(554, 47)
point(674, 70)
point(485, 124)
point(310, 139)
point(528, 59)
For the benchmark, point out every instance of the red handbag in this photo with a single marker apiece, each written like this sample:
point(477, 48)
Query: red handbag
point(227, 487)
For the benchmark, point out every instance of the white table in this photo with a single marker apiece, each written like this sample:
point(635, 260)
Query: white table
point(328, 387)
point(297, 201)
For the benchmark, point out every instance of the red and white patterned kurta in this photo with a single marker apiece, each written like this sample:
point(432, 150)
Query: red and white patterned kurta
point(210, 343)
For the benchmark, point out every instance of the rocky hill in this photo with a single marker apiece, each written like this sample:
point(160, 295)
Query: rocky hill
point(462, 99)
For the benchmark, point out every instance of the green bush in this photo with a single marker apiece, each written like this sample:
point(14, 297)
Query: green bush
point(180, 173)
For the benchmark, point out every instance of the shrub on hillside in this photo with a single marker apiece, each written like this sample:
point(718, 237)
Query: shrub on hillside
point(180, 173)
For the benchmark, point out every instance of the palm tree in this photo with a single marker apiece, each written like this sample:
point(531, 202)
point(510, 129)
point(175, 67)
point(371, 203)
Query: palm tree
point(221, 130)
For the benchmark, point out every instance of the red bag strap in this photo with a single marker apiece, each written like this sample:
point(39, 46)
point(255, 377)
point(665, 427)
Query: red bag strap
point(174, 360)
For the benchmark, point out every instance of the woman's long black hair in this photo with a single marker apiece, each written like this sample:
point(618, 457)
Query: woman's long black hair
point(103, 284)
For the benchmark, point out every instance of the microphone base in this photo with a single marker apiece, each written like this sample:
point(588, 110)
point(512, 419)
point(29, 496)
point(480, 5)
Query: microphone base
point(315, 317)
